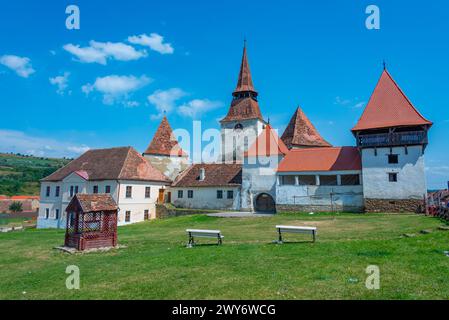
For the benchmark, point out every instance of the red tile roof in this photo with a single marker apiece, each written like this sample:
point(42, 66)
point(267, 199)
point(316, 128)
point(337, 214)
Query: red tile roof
point(25, 198)
point(389, 107)
point(93, 203)
point(123, 163)
point(300, 132)
point(164, 142)
point(321, 159)
point(244, 106)
point(216, 175)
point(243, 109)
point(245, 81)
point(267, 144)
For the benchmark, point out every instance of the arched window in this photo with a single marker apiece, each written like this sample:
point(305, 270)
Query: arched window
point(238, 126)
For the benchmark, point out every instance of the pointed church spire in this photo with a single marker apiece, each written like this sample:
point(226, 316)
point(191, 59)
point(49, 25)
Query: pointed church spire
point(301, 133)
point(245, 81)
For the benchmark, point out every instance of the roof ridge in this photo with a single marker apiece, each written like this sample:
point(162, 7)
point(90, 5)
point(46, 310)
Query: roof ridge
point(123, 164)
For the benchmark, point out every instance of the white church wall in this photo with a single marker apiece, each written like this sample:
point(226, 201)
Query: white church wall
point(410, 171)
point(206, 198)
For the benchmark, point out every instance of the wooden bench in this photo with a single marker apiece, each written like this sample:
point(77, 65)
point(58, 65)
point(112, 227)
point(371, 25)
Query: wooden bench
point(294, 229)
point(195, 233)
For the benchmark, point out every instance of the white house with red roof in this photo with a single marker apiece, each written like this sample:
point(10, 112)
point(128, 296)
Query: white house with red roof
point(123, 173)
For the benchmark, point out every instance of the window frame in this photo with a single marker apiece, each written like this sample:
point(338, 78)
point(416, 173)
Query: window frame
point(392, 177)
point(107, 189)
point(219, 194)
point(95, 189)
point(56, 214)
point(47, 191)
point(47, 213)
point(129, 192)
point(393, 158)
point(57, 191)
point(128, 216)
point(230, 194)
point(189, 194)
point(147, 192)
point(180, 194)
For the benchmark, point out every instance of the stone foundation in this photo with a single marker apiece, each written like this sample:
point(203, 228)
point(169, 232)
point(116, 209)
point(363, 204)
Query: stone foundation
point(162, 212)
point(394, 205)
point(317, 208)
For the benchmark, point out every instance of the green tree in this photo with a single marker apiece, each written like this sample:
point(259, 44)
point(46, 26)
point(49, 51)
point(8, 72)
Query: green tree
point(16, 207)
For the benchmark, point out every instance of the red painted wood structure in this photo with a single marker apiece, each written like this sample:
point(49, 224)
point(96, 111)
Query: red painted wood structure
point(91, 222)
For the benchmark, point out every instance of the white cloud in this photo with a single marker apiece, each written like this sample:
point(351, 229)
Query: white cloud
point(352, 103)
point(21, 65)
point(20, 142)
point(154, 41)
point(165, 100)
point(198, 106)
point(100, 52)
point(116, 89)
point(61, 82)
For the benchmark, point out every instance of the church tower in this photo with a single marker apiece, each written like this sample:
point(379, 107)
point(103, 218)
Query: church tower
point(244, 122)
point(164, 152)
point(392, 137)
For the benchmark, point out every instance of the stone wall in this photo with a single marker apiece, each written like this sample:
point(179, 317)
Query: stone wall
point(394, 205)
point(164, 212)
point(317, 208)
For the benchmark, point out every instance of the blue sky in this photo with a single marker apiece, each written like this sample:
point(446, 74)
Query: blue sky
point(108, 80)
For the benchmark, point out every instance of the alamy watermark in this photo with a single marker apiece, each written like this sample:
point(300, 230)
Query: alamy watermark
point(372, 22)
point(373, 280)
point(73, 20)
point(72, 282)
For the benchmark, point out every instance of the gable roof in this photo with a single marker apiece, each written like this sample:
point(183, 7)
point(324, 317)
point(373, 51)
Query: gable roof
point(300, 132)
point(93, 202)
point(164, 142)
point(267, 144)
point(123, 163)
point(321, 159)
point(216, 175)
point(389, 107)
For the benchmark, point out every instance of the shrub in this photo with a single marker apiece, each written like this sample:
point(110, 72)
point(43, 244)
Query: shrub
point(16, 207)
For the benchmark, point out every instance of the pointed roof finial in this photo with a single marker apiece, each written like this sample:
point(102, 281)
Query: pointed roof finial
point(245, 82)
point(244, 42)
point(268, 120)
point(384, 64)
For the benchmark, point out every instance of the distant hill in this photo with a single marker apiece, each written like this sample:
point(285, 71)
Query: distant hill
point(20, 174)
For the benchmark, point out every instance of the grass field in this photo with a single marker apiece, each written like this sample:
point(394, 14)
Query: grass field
point(156, 264)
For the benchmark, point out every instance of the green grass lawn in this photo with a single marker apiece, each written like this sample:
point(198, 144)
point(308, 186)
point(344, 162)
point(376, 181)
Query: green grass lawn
point(157, 265)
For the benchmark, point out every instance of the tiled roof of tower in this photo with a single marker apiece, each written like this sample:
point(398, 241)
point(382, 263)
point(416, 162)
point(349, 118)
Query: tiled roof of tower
point(245, 81)
point(95, 202)
point(389, 107)
point(243, 109)
point(123, 163)
point(321, 159)
point(300, 132)
point(244, 105)
point(216, 175)
point(267, 144)
point(164, 142)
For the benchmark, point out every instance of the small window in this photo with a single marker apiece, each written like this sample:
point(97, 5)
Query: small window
point(393, 158)
point(47, 213)
point(393, 177)
point(190, 194)
point(288, 180)
point(95, 189)
point(71, 191)
point(219, 194)
point(129, 191)
point(107, 189)
point(57, 191)
point(238, 126)
point(350, 180)
point(180, 194)
point(56, 214)
point(146, 215)
point(47, 192)
point(230, 194)
point(127, 216)
point(76, 189)
point(307, 180)
point(147, 192)
point(328, 180)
